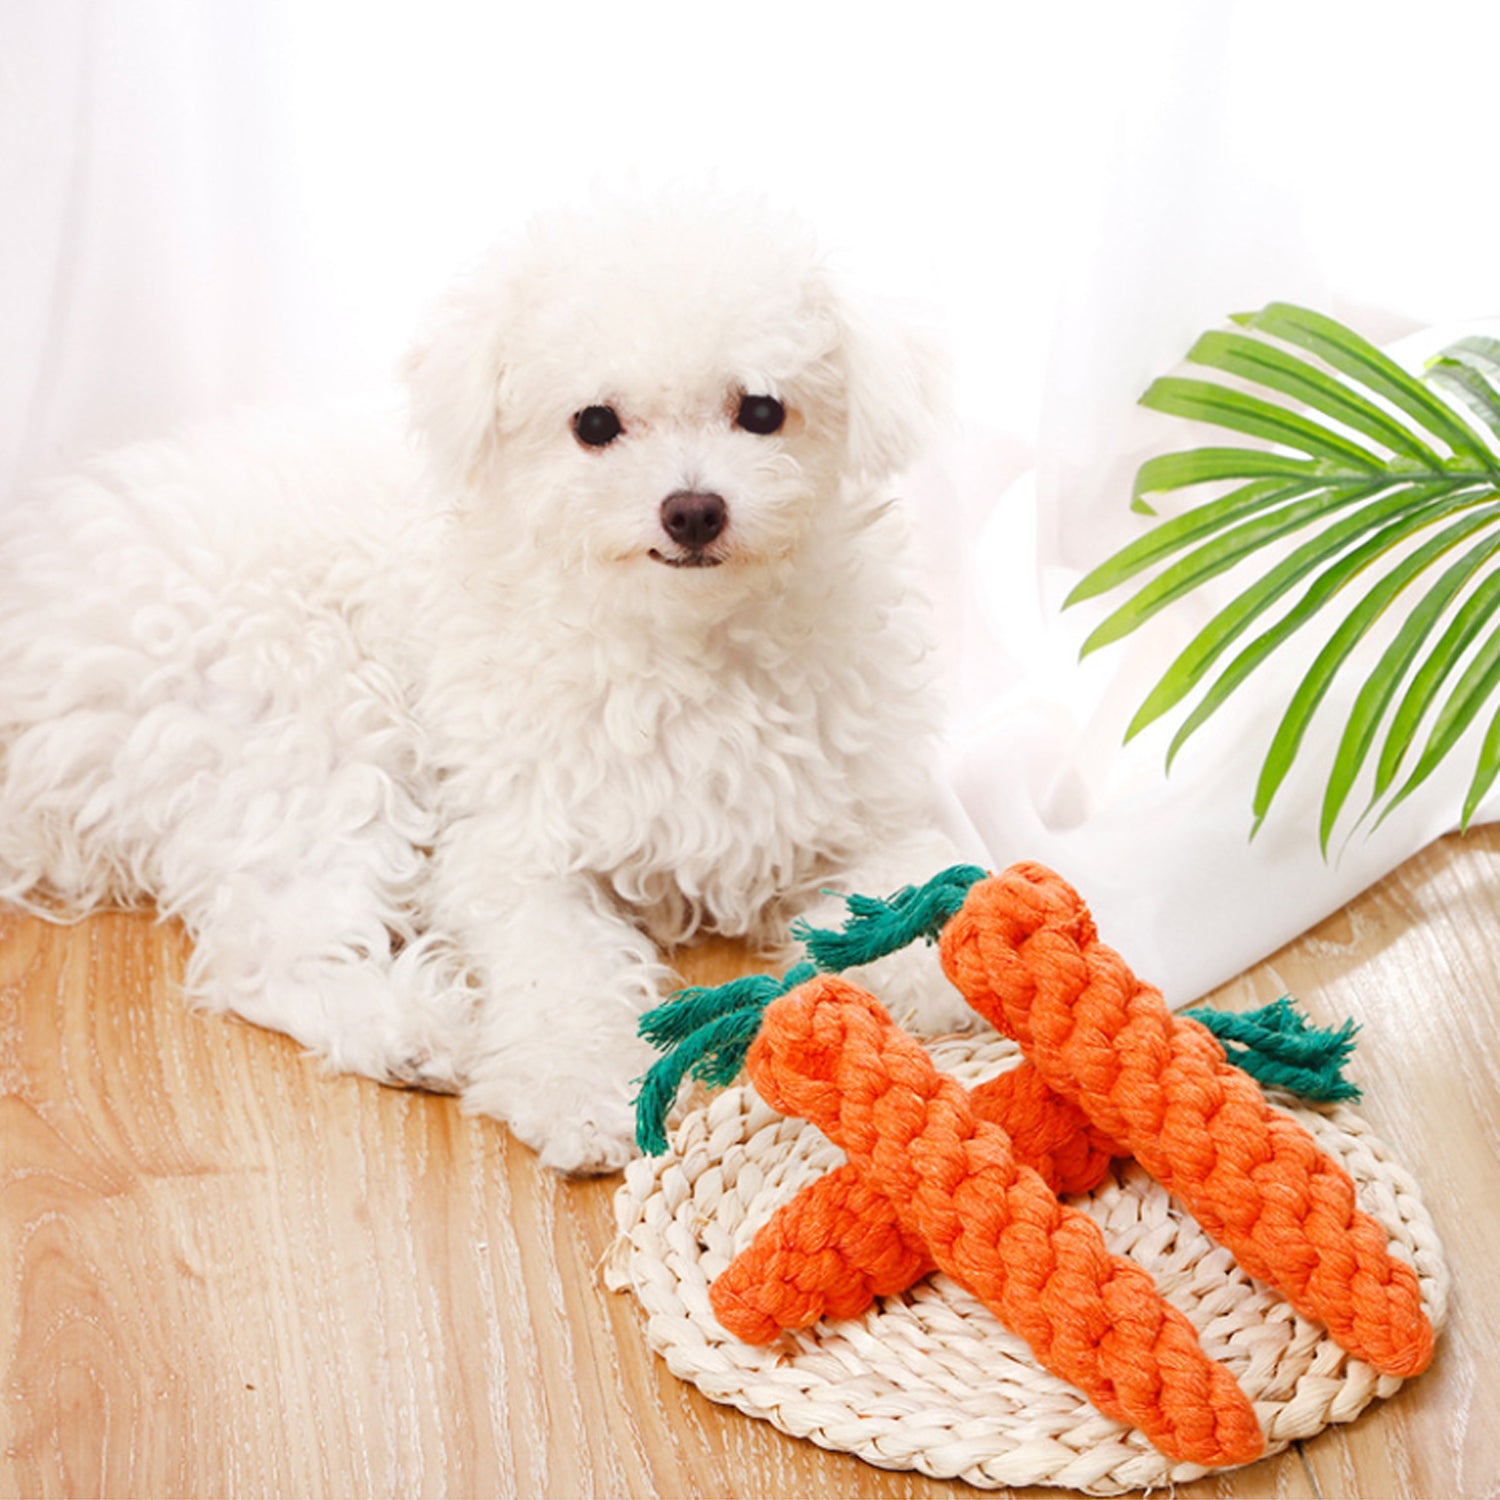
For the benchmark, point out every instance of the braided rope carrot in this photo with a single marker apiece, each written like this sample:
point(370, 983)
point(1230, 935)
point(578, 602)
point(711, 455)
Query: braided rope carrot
point(838, 1245)
point(829, 1053)
point(1024, 952)
point(872, 1226)
point(828, 1253)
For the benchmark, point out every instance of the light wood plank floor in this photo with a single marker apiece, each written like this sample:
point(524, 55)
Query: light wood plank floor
point(225, 1273)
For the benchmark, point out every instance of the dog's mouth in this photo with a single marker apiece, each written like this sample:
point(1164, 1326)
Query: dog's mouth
point(685, 559)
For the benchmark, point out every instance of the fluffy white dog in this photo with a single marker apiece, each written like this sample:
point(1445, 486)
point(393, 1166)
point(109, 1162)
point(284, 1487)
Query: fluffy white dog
point(431, 743)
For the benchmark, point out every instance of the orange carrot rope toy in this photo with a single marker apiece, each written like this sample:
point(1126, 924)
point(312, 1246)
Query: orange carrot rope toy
point(1024, 952)
point(839, 1245)
point(939, 1176)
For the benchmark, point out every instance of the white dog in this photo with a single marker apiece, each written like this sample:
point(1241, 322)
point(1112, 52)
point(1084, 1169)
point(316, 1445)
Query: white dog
point(431, 743)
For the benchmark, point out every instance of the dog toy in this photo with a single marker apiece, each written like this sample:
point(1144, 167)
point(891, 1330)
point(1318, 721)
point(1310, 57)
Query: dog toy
point(1107, 1065)
point(829, 1053)
point(1158, 1083)
point(839, 1245)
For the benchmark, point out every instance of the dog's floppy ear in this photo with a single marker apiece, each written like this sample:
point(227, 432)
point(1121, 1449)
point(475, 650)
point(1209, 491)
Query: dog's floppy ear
point(897, 382)
point(453, 373)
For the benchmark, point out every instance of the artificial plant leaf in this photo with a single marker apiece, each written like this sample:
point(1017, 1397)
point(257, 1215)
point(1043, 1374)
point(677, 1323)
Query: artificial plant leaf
point(1323, 587)
point(1329, 507)
point(1396, 661)
point(1204, 401)
point(1475, 687)
point(1377, 372)
point(1215, 557)
point(1468, 385)
point(1468, 620)
point(1485, 771)
point(1189, 666)
point(1267, 365)
point(1319, 677)
point(1176, 471)
point(1478, 350)
point(1179, 532)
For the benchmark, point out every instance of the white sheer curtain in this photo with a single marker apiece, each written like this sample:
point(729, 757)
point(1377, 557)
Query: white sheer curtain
point(213, 203)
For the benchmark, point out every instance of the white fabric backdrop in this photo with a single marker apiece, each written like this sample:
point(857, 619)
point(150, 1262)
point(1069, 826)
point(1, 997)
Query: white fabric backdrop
point(208, 204)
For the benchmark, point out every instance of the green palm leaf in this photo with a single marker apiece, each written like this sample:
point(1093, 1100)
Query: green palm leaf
point(1380, 689)
point(1206, 401)
point(1266, 364)
point(1475, 688)
point(1313, 687)
point(1468, 370)
point(1374, 472)
point(1484, 773)
point(1360, 361)
point(1331, 581)
point(1171, 536)
point(1190, 667)
point(1175, 471)
point(1212, 558)
point(1463, 629)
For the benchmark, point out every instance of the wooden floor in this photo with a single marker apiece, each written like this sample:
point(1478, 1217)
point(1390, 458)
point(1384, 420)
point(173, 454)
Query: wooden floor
point(226, 1274)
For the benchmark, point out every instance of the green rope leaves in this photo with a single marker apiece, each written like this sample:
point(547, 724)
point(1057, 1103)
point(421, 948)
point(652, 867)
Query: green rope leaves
point(705, 1033)
point(1279, 1048)
point(876, 927)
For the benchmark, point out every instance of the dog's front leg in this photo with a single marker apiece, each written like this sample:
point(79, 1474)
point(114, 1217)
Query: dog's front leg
point(563, 978)
point(911, 983)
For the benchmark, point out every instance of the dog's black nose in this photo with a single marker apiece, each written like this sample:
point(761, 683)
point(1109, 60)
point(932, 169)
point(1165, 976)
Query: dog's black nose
point(693, 519)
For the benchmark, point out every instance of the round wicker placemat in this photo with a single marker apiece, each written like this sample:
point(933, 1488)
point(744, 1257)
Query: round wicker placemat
point(929, 1380)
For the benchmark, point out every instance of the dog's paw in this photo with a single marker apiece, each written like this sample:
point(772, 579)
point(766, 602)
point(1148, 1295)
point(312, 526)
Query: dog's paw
point(426, 1069)
point(578, 1127)
point(588, 1147)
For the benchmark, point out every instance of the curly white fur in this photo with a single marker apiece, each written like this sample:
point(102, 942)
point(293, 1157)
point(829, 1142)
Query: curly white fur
point(425, 741)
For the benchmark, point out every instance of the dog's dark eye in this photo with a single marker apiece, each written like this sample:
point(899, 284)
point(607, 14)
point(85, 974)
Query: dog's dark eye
point(597, 426)
point(760, 414)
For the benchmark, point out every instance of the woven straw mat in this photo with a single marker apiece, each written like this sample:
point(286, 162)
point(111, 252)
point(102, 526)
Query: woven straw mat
point(930, 1380)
